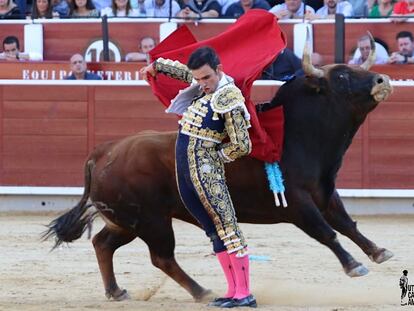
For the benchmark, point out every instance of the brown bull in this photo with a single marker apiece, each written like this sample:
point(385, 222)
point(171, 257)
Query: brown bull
point(132, 182)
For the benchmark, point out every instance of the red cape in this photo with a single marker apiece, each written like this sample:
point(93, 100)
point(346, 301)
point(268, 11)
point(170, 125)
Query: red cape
point(245, 49)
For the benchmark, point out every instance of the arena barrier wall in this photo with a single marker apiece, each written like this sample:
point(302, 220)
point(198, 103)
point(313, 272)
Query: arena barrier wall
point(49, 127)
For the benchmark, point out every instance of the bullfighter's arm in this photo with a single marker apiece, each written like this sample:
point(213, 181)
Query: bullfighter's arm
point(230, 104)
point(173, 69)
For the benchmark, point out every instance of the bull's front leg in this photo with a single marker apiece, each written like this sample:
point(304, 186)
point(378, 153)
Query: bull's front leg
point(305, 214)
point(339, 219)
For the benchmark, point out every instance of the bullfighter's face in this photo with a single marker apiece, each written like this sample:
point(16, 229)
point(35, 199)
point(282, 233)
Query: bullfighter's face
point(207, 77)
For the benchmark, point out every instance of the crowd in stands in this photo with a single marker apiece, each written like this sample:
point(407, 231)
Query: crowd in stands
point(398, 10)
point(286, 66)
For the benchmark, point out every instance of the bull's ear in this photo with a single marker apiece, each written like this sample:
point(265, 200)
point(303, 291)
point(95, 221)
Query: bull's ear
point(315, 83)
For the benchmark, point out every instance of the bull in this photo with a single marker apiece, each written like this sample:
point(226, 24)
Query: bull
point(132, 185)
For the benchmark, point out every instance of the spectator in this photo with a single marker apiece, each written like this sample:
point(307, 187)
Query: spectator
point(43, 9)
point(225, 4)
point(61, 7)
point(11, 51)
point(364, 48)
point(403, 10)
point(405, 53)
point(159, 8)
point(9, 10)
point(146, 45)
point(79, 70)
point(237, 9)
point(291, 9)
point(383, 8)
point(196, 9)
point(333, 7)
point(359, 8)
point(101, 4)
point(119, 8)
point(83, 8)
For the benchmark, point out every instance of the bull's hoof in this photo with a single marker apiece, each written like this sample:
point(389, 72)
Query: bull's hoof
point(359, 270)
point(381, 255)
point(205, 296)
point(118, 295)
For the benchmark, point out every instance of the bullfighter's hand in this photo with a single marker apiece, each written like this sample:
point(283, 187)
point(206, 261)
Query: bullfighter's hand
point(144, 71)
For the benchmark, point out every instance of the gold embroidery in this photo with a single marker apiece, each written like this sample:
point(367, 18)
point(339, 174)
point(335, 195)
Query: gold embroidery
point(198, 105)
point(207, 176)
point(226, 99)
point(240, 143)
point(202, 133)
point(191, 118)
point(173, 69)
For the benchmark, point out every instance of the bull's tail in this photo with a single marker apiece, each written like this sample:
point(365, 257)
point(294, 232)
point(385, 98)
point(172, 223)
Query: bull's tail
point(71, 225)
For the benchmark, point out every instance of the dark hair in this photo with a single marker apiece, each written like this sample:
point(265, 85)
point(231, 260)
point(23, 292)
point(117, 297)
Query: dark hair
point(404, 34)
point(73, 6)
point(202, 56)
point(10, 40)
point(115, 8)
point(405, 272)
point(35, 11)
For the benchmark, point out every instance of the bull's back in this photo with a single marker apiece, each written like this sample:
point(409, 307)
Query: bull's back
point(139, 170)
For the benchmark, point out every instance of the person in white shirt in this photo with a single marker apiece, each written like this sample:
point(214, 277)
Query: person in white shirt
point(364, 48)
point(333, 7)
point(119, 8)
point(158, 8)
point(291, 9)
point(11, 51)
point(145, 46)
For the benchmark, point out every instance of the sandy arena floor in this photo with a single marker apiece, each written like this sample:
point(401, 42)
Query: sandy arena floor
point(290, 271)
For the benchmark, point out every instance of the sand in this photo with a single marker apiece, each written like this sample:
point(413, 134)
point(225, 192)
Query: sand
point(289, 270)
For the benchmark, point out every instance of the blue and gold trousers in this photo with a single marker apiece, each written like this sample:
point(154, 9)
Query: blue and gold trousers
point(203, 190)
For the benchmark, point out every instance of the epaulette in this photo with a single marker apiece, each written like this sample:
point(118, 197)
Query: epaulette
point(226, 99)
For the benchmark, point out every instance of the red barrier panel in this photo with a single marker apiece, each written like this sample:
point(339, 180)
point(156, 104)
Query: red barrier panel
point(48, 130)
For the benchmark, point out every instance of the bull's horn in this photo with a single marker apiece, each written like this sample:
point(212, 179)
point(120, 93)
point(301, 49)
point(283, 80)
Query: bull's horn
point(371, 57)
point(308, 68)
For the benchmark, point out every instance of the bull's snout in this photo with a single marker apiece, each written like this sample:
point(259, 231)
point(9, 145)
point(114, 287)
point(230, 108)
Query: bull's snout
point(381, 87)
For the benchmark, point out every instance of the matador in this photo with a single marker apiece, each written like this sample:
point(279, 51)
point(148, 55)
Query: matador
point(213, 130)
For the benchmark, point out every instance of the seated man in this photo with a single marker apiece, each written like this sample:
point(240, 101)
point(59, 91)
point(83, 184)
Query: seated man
point(161, 8)
point(200, 9)
point(405, 53)
point(145, 46)
point(291, 9)
point(79, 71)
point(11, 51)
point(364, 48)
point(333, 7)
point(238, 8)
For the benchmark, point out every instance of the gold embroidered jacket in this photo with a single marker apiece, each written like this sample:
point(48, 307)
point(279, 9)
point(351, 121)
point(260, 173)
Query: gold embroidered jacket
point(214, 117)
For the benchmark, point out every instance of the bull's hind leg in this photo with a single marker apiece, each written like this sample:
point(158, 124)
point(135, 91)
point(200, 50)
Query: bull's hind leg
point(159, 236)
point(339, 219)
point(105, 244)
point(306, 216)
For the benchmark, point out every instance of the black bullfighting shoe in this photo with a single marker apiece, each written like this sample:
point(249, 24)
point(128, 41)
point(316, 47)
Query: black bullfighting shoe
point(217, 302)
point(248, 301)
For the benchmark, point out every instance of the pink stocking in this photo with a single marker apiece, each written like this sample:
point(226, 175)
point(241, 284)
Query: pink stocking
point(241, 270)
point(225, 263)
